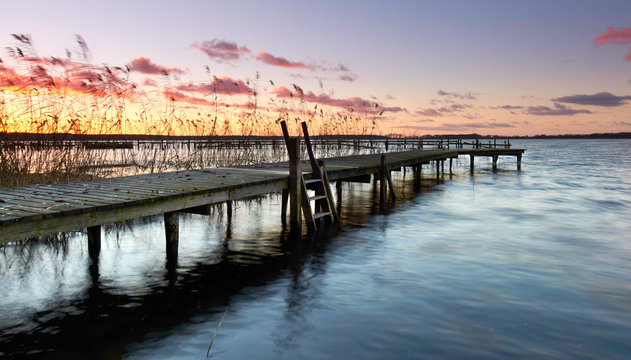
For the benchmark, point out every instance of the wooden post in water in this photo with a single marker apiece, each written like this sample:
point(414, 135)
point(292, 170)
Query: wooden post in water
point(437, 170)
point(171, 229)
point(471, 157)
point(519, 162)
point(451, 160)
point(338, 192)
point(295, 186)
point(495, 162)
point(382, 180)
point(94, 243)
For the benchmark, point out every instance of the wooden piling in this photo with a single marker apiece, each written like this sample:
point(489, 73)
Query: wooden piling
point(519, 162)
point(495, 162)
point(437, 169)
point(382, 180)
point(295, 185)
point(471, 160)
point(171, 229)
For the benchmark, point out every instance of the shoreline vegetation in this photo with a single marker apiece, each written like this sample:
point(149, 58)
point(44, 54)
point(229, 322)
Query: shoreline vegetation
point(21, 136)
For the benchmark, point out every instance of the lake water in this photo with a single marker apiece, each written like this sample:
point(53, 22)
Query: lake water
point(506, 264)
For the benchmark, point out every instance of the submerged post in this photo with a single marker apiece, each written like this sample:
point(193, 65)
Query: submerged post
point(471, 157)
point(519, 162)
point(495, 162)
point(295, 186)
point(171, 229)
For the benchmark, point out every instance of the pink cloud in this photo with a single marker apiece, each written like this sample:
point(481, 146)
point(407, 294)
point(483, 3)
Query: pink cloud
point(270, 59)
point(621, 36)
point(144, 65)
point(149, 82)
point(222, 85)
point(178, 96)
point(222, 50)
point(194, 100)
point(356, 103)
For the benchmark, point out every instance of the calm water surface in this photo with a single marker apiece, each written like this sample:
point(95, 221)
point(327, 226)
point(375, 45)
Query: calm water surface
point(530, 264)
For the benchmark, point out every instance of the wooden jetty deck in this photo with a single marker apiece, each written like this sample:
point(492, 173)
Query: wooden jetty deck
point(37, 210)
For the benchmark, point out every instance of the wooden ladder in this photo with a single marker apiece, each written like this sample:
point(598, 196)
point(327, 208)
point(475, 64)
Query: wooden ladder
point(324, 205)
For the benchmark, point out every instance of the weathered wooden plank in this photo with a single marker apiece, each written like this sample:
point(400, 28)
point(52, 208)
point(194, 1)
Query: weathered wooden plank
point(33, 227)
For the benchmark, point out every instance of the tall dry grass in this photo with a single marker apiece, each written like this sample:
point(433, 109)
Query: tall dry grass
point(71, 95)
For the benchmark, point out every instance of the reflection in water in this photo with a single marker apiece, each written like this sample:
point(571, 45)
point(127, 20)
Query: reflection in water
point(499, 264)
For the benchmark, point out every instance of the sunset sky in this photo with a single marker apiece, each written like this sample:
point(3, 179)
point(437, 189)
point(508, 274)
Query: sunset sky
point(432, 67)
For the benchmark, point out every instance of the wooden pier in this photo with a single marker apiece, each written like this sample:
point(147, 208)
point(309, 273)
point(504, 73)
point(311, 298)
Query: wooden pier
point(39, 210)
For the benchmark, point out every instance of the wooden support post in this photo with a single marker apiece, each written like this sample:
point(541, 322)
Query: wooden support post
point(382, 180)
point(171, 229)
point(338, 192)
point(519, 162)
point(471, 159)
point(417, 173)
point(437, 169)
point(283, 211)
point(295, 185)
point(451, 160)
point(94, 243)
point(442, 166)
point(495, 162)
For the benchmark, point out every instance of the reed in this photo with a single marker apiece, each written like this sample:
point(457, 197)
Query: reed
point(71, 95)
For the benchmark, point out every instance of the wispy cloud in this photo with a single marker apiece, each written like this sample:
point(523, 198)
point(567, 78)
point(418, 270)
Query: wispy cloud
point(222, 50)
point(558, 110)
point(620, 36)
point(356, 103)
point(507, 107)
point(454, 95)
point(270, 59)
point(149, 82)
point(221, 85)
point(348, 77)
point(599, 99)
point(459, 127)
point(144, 65)
point(428, 112)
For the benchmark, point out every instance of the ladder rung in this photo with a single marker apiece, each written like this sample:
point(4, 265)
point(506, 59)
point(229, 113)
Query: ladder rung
point(317, 197)
point(312, 181)
point(321, 214)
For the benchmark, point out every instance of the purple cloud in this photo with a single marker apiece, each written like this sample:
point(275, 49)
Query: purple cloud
point(599, 99)
point(558, 110)
point(222, 50)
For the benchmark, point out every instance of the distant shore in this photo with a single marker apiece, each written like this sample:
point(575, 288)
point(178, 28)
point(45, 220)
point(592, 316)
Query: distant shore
point(100, 137)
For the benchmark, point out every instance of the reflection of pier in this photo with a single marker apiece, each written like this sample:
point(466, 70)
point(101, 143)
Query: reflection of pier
point(32, 211)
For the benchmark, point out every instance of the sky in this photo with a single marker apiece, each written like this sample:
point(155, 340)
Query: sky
point(406, 67)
